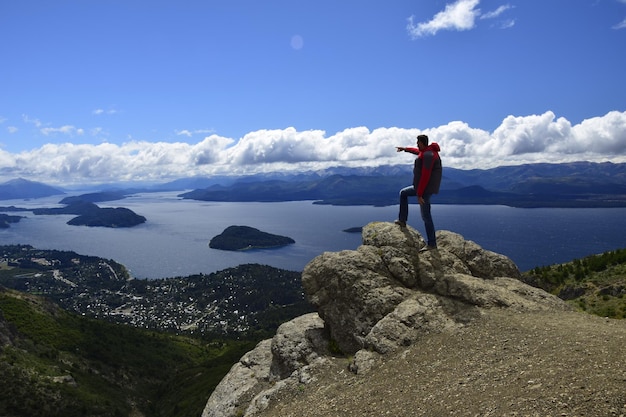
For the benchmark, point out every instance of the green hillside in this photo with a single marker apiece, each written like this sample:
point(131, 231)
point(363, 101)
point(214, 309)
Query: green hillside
point(57, 363)
point(54, 363)
point(595, 284)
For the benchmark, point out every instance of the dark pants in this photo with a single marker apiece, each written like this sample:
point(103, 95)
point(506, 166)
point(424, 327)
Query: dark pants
point(407, 192)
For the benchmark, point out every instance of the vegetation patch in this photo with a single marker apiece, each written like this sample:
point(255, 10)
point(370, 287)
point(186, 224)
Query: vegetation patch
point(60, 364)
point(595, 284)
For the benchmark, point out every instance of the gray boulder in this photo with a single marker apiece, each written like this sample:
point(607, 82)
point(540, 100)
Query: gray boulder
point(245, 380)
point(387, 293)
point(270, 366)
point(375, 301)
point(298, 343)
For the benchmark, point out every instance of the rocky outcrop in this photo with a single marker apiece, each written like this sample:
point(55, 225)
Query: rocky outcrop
point(272, 364)
point(373, 301)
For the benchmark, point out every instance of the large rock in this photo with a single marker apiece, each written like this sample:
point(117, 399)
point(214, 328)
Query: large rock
point(388, 287)
point(244, 381)
point(273, 364)
point(298, 343)
point(374, 301)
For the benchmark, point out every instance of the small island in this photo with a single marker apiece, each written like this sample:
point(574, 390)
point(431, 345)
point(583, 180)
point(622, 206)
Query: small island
point(89, 214)
point(237, 238)
point(6, 220)
point(108, 217)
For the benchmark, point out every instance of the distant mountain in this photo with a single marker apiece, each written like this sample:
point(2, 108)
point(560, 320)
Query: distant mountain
point(509, 178)
point(335, 189)
point(193, 183)
point(21, 188)
point(580, 184)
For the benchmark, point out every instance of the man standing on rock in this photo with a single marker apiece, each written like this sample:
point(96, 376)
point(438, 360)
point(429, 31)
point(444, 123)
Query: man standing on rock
point(426, 181)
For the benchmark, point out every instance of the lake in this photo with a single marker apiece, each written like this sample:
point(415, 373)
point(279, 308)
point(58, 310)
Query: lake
point(174, 240)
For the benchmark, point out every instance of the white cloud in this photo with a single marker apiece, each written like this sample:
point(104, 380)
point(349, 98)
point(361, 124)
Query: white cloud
point(496, 13)
point(66, 130)
point(458, 16)
point(12, 129)
point(518, 139)
point(190, 133)
point(7, 163)
point(620, 25)
point(506, 24)
point(602, 135)
point(98, 112)
point(184, 132)
point(545, 138)
point(35, 122)
point(97, 131)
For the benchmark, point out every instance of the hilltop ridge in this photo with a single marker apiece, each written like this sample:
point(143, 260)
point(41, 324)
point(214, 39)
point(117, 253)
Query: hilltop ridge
point(504, 364)
point(451, 331)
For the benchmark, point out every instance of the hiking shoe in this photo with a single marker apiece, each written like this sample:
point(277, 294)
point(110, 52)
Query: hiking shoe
point(400, 223)
point(427, 248)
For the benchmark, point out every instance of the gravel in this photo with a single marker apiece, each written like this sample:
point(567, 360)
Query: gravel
point(505, 364)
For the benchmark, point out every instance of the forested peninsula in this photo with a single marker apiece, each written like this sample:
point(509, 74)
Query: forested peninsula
point(89, 214)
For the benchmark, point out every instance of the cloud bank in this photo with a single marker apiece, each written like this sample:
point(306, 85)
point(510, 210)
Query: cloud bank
point(459, 16)
point(518, 140)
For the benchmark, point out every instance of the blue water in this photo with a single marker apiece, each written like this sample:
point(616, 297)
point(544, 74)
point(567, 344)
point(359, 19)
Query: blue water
point(174, 240)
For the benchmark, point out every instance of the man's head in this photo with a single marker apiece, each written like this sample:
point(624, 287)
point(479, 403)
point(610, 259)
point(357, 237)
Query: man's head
point(422, 141)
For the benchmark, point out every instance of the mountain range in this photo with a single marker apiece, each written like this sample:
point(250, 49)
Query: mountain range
point(577, 184)
point(580, 184)
point(20, 188)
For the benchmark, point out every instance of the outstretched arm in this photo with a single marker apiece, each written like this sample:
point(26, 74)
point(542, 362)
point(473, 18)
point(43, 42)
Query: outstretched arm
point(415, 151)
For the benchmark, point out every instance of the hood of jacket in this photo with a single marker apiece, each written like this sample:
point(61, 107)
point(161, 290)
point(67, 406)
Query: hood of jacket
point(433, 147)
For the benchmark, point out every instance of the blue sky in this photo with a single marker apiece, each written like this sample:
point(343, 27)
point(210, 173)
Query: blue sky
point(107, 90)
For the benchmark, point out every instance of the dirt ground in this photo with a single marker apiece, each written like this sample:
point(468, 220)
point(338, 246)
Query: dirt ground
point(507, 364)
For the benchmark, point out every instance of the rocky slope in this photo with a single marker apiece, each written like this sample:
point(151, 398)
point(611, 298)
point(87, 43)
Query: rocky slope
point(445, 332)
point(505, 364)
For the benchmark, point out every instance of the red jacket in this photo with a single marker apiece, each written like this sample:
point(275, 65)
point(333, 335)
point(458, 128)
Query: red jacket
point(427, 171)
